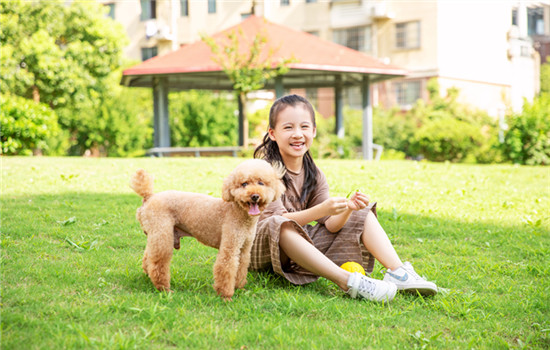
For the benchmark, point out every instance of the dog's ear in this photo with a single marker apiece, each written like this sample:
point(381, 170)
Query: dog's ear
point(279, 189)
point(226, 189)
point(279, 186)
point(279, 168)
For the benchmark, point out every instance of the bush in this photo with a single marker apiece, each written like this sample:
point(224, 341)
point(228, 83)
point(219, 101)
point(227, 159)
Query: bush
point(448, 130)
point(26, 125)
point(447, 139)
point(201, 118)
point(393, 130)
point(527, 140)
point(120, 125)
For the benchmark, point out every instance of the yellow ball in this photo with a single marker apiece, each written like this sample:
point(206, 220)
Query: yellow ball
point(353, 267)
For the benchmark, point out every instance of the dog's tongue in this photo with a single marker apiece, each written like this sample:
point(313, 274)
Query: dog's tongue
point(254, 209)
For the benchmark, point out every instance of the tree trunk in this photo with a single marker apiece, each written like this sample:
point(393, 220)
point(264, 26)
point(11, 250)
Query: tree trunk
point(35, 94)
point(243, 121)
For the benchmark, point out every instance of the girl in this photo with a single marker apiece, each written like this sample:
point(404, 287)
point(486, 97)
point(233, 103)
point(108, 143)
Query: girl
point(346, 229)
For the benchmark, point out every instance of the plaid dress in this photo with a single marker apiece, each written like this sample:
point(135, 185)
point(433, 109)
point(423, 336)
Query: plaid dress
point(340, 247)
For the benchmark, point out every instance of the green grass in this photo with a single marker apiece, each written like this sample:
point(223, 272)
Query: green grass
point(72, 278)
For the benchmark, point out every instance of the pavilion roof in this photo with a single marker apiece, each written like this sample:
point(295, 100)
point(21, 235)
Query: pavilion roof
point(317, 62)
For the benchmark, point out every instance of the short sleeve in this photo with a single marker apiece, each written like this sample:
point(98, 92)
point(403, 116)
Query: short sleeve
point(274, 208)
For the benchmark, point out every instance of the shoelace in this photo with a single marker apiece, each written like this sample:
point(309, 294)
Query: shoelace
point(410, 270)
point(366, 286)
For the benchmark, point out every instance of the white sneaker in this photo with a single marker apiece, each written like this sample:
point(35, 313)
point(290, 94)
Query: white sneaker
point(370, 289)
point(406, 279)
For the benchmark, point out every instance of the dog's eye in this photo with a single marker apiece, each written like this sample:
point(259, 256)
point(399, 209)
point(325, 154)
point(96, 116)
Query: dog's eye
point(260, 183)
point(244, 184)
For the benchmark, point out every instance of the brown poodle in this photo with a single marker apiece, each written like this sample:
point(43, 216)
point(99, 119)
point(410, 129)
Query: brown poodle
point(228, 225)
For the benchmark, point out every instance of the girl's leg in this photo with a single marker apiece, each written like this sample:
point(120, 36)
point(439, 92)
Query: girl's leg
point(378, 244)
point(307, 256)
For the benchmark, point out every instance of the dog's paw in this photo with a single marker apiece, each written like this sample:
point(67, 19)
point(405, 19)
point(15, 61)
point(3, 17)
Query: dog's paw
point(224, 292)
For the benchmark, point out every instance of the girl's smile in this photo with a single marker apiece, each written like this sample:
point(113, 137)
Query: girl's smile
point(293, 132)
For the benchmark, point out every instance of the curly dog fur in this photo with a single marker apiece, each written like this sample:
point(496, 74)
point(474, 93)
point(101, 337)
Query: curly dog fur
point(227, 224)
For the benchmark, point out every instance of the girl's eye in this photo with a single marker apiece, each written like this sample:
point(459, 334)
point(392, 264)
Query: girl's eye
point(260, 183)
point(244, 184)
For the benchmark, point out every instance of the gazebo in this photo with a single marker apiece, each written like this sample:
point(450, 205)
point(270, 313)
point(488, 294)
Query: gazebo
point(318, 63)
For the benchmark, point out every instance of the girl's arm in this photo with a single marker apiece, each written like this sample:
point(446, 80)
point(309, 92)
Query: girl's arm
point(331, 206)
point(357, 201)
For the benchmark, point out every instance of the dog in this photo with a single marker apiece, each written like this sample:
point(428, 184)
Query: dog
point(227, 224)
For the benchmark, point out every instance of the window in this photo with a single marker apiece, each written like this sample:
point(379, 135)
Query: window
point(407, 92)
point(184, 6)
point(310, 1)
point(357, 38)
point(111, 12)
point(535, 21)
point(148, 52)
point(407, 35)
point(148, 9)
point(285, 2)
point(211, 6)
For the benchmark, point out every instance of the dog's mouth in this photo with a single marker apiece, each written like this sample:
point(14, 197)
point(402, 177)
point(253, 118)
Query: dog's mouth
point(253, 209)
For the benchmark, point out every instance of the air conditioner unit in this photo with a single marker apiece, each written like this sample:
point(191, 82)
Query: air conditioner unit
point(151, 29)
point(164, 34)
point(380, 11)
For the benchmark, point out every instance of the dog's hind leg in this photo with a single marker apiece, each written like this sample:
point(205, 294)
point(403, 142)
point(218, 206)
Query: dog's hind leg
point(244, 262)
point(158, 253)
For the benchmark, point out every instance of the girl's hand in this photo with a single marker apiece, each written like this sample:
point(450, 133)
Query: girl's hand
point(358, 201)
point(335, 206)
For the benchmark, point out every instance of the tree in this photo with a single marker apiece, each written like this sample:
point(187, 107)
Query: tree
point(249, 69)
point(63, 56)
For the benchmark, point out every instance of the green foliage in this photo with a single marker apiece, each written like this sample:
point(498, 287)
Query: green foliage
point(527, 140)
point(68, 57)
point(446, 138)
point(250, 69)
point(201, 118)
point(545, 77)
point(120, 126)
point(57, 53)
point(393, 130)
point(449, 130)
point(26, 125)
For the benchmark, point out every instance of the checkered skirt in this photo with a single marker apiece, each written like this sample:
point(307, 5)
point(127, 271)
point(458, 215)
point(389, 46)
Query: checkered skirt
point(339, 247)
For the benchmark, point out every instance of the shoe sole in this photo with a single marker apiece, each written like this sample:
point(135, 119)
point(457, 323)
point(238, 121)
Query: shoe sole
point(421, 290)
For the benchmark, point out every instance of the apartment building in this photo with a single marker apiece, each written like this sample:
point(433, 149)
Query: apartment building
point(486, 49)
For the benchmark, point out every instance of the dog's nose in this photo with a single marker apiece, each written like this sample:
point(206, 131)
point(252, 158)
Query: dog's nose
point(255, 197)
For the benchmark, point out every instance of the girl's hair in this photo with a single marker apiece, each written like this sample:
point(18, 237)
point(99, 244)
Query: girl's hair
point(269, 150)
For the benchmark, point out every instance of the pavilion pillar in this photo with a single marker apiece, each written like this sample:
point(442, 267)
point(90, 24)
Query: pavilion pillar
point(160, 109)
point(339, 107)
point(279, 87)
point(367, 119)
point(241, 121)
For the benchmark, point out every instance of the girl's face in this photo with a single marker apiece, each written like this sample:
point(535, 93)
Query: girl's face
point(294, 132)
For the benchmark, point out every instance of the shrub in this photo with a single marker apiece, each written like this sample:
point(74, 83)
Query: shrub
point(527, 140)
point(201, 118)
point(120, 125)
point(447, 139)
point(26, 125)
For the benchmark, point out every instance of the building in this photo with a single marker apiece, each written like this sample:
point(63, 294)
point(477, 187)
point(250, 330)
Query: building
point(486, 49)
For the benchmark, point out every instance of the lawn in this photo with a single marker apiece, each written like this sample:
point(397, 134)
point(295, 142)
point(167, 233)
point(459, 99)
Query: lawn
point(71, 262)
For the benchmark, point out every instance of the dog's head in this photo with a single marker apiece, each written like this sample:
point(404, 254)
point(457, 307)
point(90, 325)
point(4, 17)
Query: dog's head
point(254, 184)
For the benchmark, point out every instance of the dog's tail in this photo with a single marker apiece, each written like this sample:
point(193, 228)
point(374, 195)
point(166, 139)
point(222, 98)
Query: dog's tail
point(142, 183)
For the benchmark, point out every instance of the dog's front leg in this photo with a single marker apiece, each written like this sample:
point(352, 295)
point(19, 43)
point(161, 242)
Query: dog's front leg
point(226, 265)
point(244, 262)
